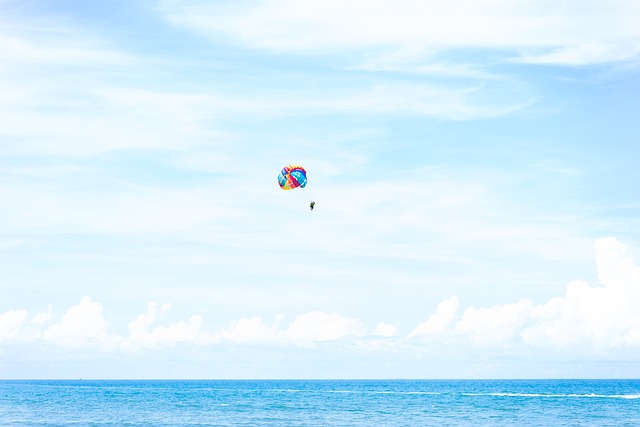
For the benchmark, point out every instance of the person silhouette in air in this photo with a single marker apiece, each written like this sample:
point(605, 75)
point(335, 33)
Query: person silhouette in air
point(312, 204)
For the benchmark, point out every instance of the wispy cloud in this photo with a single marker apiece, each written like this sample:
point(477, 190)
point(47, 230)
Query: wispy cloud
point(592, 31)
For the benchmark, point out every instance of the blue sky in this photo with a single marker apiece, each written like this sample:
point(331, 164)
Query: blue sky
point(473, 164)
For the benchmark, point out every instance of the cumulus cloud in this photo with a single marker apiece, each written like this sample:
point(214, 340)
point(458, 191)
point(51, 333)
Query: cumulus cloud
point(247, 330)
point(320, 326)
point(139, 327)
point(494, 325)
point(83, 323)
point(440, 320)
point(142, 333)
point(604, 317)
point(386, 330)
point(599, 320)
point(42, 318)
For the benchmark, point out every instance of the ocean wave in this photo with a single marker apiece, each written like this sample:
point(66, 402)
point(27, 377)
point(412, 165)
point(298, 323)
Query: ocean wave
point(552, 395)
point(379, 392)
point(480, 394)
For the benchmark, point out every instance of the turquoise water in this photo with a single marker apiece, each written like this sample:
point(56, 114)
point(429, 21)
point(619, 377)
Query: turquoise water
point(320, 403)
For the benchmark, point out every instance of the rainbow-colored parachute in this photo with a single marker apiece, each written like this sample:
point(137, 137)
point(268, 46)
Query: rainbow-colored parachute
point(292, 176)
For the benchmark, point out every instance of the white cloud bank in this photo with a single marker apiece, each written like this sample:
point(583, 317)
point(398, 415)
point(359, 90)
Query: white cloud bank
point(602, 321)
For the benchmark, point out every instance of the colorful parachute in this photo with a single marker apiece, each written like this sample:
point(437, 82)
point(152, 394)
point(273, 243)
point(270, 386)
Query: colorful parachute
point(292, 176)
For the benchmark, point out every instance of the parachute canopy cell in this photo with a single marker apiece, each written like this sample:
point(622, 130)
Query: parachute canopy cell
point(292, 176)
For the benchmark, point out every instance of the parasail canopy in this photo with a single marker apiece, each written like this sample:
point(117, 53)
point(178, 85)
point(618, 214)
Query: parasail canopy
point(292, 176)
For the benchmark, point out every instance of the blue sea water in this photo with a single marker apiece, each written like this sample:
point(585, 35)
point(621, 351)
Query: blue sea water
point(321, 403)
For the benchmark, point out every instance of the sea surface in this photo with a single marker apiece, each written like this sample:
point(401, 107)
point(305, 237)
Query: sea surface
point(248, 403)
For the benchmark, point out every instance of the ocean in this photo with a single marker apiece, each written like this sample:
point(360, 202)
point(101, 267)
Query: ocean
point(292, 403)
